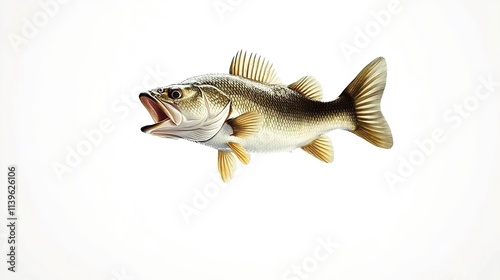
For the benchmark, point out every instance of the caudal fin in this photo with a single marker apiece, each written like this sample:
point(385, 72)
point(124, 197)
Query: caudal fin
point(366, 91)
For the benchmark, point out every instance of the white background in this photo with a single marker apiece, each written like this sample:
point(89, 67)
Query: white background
point(116, 214)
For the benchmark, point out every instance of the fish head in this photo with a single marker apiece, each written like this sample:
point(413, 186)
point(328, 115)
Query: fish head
point(189, 111)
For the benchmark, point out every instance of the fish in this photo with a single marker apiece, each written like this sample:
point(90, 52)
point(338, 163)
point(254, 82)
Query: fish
point(250, 110)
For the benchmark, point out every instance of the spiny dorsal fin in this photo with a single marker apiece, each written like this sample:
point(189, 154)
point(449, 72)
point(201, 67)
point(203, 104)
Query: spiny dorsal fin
point(253, 67)
point(240, 152)
point(309, 87)
point(226, 164)
point(321, 148)
point(246, 124)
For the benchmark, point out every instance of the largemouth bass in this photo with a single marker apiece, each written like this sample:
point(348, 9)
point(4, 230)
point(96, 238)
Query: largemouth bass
point(251, 110)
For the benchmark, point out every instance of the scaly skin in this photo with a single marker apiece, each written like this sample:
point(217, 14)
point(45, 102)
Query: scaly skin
point(290, 120)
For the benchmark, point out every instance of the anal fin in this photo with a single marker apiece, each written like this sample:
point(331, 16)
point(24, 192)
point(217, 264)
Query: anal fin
point(321, 148)
point(246, 124)
point(226, 165)
point(240, 152)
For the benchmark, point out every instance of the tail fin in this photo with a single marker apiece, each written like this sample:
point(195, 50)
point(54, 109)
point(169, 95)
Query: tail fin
point(366, 91)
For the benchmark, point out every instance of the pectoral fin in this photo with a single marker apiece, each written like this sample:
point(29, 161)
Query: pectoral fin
point(226, 165)
point(246, 124)
point(240, 152)
point(321, 148)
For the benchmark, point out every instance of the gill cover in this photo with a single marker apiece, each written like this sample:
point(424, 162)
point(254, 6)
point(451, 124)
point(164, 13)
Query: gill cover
point(203, 127)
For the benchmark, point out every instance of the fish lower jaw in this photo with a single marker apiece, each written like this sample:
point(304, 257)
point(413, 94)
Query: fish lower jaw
point(158, 126)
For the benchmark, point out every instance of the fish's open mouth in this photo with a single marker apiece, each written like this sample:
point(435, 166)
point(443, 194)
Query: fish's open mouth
point(162, 113)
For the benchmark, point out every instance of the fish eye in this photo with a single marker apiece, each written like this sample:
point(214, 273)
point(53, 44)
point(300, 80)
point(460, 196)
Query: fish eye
point(175, 94)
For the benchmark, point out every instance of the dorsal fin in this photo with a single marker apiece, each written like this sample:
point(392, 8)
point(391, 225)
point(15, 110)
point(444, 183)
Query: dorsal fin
point(253, 67)
point(309, 87)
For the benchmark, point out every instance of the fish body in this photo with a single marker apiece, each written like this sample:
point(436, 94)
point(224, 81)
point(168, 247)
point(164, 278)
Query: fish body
point(289, 119)
point(251, 110)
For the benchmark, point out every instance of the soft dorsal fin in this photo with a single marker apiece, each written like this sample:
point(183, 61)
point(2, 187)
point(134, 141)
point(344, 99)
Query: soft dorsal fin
point(321, 148)
point(253, 67)
point(246, 124)
point(309, 87)
point(240, 152)
point(226, 165)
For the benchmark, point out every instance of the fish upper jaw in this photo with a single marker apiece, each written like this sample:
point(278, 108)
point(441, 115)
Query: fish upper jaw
point(163, 114)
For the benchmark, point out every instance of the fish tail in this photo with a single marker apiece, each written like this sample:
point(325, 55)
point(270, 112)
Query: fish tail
point(366, 91)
